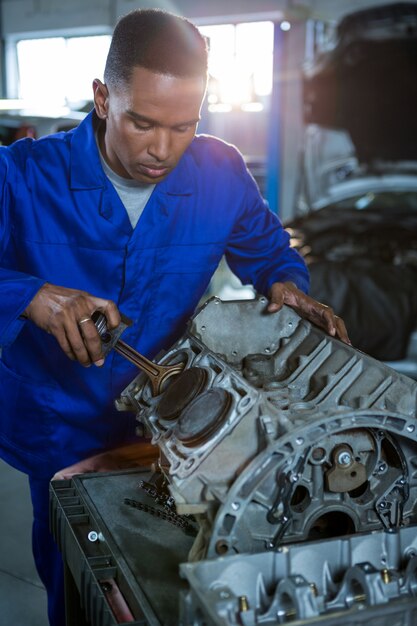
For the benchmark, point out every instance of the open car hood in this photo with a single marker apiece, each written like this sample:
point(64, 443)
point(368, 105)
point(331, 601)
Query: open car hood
point(360, 103)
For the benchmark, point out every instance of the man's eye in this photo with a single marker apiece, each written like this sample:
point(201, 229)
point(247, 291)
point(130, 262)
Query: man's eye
point(142, 126)
point(183, 129)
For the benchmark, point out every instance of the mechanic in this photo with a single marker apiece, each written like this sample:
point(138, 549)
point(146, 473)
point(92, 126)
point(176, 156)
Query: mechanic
point(130, 212)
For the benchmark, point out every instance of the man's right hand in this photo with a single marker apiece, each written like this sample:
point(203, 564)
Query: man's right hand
point(66, 314)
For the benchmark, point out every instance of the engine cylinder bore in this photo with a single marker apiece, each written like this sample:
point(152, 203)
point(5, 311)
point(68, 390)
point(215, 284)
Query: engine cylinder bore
point(202, 418)
point(331, 524)
point(181, 392)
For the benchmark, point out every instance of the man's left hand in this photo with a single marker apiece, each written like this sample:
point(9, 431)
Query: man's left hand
point(313, 311)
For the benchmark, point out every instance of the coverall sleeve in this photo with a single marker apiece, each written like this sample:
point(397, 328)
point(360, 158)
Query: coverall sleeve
point(259, 251)
point(17, 289)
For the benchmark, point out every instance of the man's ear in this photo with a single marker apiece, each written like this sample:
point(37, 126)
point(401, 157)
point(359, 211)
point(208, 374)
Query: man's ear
point(101, 98)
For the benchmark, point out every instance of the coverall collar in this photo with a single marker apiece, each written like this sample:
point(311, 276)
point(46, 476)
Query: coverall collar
point(87, 172)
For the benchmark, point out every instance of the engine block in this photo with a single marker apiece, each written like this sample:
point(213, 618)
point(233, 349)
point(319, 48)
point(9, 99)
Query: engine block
point(276, 433)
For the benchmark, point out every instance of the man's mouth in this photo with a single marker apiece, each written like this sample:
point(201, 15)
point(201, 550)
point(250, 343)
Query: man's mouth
point(153, 171)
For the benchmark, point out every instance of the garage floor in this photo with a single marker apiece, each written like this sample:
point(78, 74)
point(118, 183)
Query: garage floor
point(22, 596)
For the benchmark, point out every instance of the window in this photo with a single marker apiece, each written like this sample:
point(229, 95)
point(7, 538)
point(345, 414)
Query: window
point(58, 71)
point(240, 65)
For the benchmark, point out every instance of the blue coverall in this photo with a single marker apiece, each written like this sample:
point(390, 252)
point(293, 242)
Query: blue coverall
point(62, 222)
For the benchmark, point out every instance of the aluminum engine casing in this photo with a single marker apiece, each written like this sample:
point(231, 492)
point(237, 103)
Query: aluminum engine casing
point(277, 434)
point(295, 396)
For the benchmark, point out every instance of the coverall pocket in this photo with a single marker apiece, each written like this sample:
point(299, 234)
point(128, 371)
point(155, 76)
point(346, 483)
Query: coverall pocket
point(183, 273)
point(26, 418)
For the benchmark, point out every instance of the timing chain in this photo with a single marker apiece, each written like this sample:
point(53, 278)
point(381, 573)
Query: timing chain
point(159, 496)
point(167, 513)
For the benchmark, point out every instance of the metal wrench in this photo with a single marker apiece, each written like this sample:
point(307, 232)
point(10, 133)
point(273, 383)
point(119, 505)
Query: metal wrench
point(158, 374)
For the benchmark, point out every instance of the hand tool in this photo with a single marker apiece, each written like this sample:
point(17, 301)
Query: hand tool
point(158, 374)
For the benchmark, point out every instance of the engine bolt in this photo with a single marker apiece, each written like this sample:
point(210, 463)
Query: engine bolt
point(386, 576)
point(314, 589)
point(93, 536)
point(344, 458)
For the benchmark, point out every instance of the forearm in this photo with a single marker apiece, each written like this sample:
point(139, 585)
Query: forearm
point(268, 258)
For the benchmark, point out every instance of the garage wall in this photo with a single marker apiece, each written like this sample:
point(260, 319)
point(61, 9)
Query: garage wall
point(206, 11)
point(20, 16)
point(23, 16)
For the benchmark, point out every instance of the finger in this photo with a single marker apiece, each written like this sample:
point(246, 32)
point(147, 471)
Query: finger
point(329, 320)
point(276, 298)
point(92, 341)
point(110, 310)
point(342, 331)
point(336, 326)
point(64, 344)
point(273, 307)
point(77, 344)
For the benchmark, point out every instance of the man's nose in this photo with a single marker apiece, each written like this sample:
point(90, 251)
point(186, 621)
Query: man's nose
point(159, 147)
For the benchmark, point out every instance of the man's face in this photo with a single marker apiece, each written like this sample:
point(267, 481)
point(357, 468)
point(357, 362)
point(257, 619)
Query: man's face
point(149, 122)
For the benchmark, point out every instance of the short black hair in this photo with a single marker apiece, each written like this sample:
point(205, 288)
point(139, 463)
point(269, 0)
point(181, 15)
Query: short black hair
point(158, 41)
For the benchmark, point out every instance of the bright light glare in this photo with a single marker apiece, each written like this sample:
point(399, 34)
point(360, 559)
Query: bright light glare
point(54, 71)
point(221, 107)
point(86, 57)
point(285, 26)
point(41, 79)
point(253, 107)
point(240, 62)
point(12, 104)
